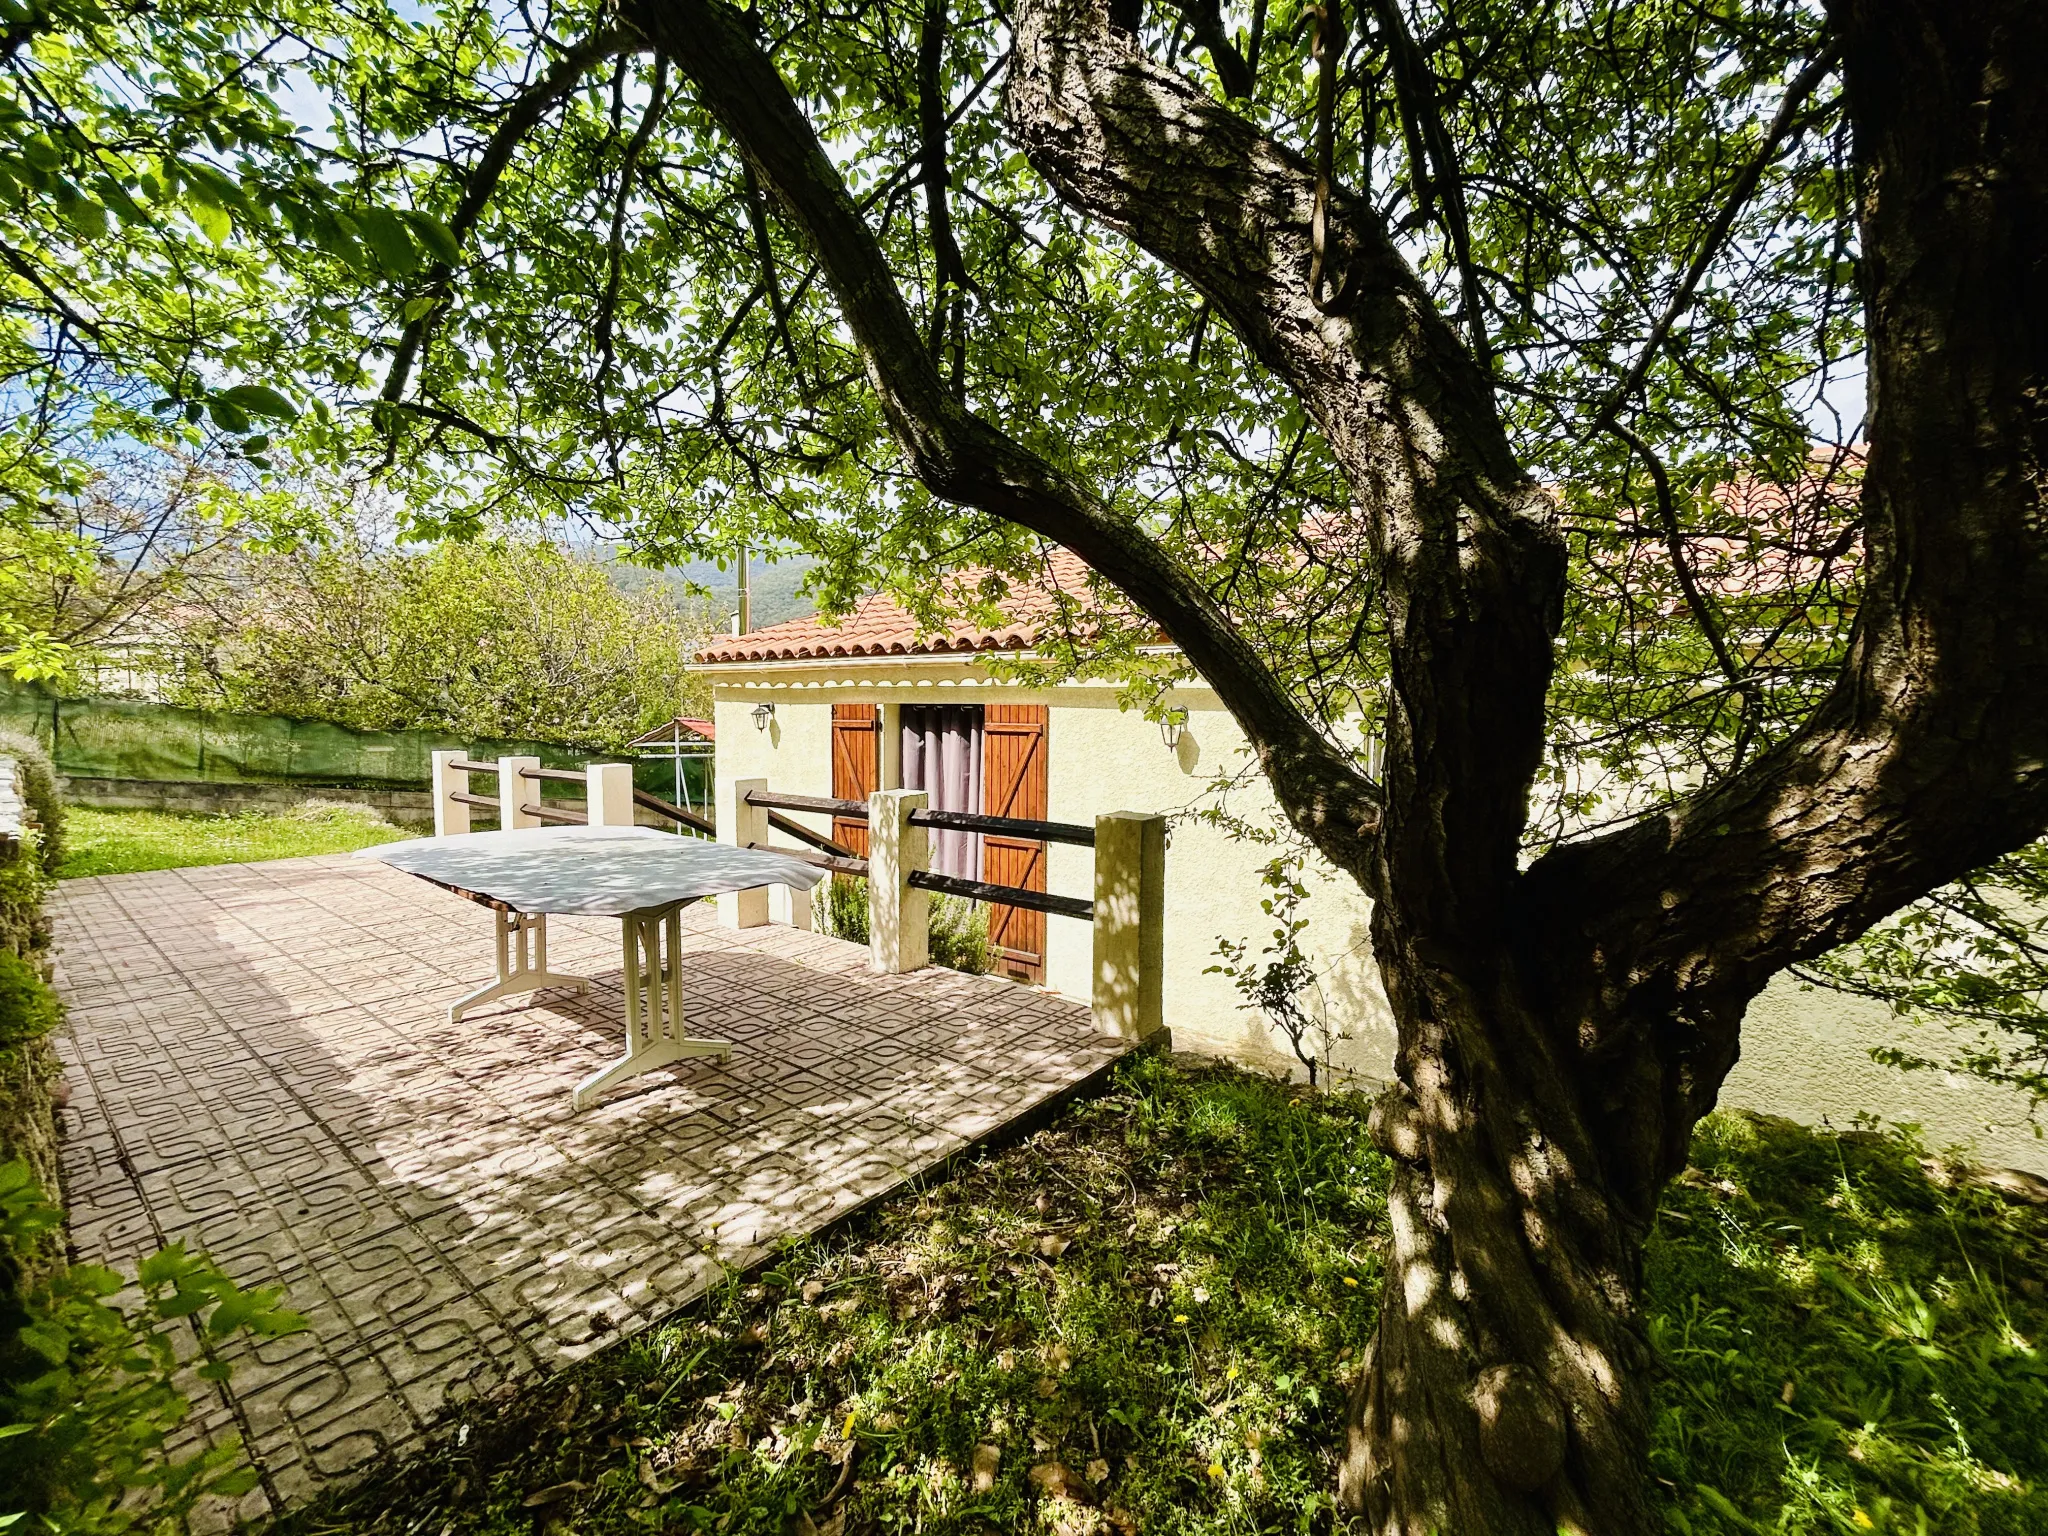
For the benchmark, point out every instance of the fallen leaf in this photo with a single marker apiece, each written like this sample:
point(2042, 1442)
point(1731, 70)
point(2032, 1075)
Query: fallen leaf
point(1098, 1469)
point(649, 1481)
point(1787, 1392)
point(1052, 1245)
point(1059, 1357)
point(757, 1334)
point(987, 1458)
point(813, 1289)
point(1052, 1477)
point(553, 1494)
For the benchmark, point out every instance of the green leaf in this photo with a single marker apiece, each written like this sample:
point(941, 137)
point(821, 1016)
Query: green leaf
point(420, 308)
point(226, 415)
point(46, 1339)
point(437, 237)
point(388, 239)
point(212, 219)
point(260, 400)
point(87, 217)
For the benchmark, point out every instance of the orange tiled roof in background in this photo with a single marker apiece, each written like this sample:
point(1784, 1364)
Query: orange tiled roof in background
point(881, 626)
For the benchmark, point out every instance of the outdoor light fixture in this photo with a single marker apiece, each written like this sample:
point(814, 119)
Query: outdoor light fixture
point(1172, 725)
point(763, 713)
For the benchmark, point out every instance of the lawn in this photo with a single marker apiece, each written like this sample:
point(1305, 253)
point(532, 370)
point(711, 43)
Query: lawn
point(125, 842)
point(1145, 1318)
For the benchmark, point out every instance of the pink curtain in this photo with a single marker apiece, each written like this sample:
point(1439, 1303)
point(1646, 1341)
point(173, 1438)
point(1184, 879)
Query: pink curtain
point(942, 756)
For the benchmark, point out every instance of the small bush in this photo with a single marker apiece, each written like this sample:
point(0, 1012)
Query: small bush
point(840, 907)
point(28, 1008)
point(959, 935)
point(87, 1399)
point(958, 931)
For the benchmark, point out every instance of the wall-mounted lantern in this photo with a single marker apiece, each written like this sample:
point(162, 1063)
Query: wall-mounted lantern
point(1172, 726)
point(763, 713)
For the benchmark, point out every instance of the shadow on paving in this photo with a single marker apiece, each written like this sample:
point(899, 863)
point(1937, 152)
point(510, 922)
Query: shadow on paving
point(261, 1067)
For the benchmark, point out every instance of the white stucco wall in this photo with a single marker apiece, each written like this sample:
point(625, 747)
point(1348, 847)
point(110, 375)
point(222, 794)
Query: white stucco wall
point(1102, 760)
point(1805, 1053)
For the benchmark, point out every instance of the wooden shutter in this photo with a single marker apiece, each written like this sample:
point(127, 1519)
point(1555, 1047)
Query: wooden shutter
point(1014, 784)
point(856, 767)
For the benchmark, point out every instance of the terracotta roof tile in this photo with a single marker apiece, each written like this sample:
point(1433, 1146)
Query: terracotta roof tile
point(881, 626)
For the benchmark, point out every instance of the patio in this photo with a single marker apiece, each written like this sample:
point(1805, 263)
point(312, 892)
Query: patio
point(260, 1065)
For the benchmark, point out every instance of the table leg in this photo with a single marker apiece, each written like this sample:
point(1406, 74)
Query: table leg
point(654, 1004)
point(522, 962)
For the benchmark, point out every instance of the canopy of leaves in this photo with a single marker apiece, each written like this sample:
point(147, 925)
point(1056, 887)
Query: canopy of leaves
point(486, 639)
point(507, 258)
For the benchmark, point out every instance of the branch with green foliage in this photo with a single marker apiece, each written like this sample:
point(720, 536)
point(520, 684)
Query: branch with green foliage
point(1971, 960)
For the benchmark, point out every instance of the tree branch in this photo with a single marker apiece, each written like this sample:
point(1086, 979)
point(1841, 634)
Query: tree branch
point(1803, 85)
point(524, 115)
point(1473, 567)
point(615, 243)
point(1205, 20)
point(949, 267)
point(1422, 115)
point(1929, 757)
point(961, 458)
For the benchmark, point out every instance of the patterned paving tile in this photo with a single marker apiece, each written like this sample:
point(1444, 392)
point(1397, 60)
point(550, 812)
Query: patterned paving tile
point(261, 1065)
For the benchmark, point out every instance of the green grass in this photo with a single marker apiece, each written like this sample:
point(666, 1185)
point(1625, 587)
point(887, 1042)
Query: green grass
point(126, 842)
point(1852, 1343)
point(1145, 1318)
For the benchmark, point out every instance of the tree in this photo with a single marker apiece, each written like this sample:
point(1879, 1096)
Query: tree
point(488, 639)
point(1397, 363)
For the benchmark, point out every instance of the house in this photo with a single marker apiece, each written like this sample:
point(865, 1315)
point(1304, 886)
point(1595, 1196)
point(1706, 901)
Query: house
point(874, 701)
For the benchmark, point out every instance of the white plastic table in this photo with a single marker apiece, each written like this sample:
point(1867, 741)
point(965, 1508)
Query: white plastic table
point(639, 875)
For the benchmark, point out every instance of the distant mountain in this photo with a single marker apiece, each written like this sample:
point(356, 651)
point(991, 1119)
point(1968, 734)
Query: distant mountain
point(775, 595)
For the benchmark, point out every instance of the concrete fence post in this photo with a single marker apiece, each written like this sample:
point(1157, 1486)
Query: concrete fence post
point(789, 907)
point(451, 816)
point(608, 795)
point(1130, 924)
point(899, 914)
point(738, 825)
point(513, 792)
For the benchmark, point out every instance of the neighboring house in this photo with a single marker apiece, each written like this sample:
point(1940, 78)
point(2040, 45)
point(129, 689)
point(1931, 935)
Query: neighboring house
point(874, 702)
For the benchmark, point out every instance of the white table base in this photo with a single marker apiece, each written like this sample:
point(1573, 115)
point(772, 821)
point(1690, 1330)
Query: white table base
point(654, 1003)
point(522, 963)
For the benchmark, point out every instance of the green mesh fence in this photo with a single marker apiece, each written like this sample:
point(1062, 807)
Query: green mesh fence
point(129, 739)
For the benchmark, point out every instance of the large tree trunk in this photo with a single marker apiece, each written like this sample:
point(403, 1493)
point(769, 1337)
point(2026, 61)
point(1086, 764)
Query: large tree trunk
point(1554, 1062)
point(1561, 1030)
point(1506, 1390)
